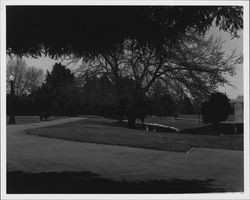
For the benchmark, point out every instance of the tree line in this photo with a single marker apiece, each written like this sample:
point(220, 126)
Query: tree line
point(62, 93)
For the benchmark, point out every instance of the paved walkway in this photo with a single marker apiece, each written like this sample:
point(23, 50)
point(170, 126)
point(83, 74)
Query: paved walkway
point(40, 154)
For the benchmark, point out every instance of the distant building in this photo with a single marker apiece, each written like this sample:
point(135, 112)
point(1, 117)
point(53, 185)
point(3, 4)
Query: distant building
point(238, 110)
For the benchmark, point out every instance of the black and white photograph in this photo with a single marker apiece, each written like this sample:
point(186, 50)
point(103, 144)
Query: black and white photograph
point(127, 99)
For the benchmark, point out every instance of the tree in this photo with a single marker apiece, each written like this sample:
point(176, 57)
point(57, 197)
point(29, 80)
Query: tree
point(34, 78)
point(42, 99)
point(195, 67)
point(26, 79)
point(164, 106)
point(88, 30)
point(187, 107)
point(59, 77)
point(97, 96)
point(216, 109)
point(162, 102)
point(59, 85)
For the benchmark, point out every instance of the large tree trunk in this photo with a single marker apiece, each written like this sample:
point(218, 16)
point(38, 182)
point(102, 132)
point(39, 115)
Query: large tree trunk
point(119, 104)
point(120, 109)
point(136, 108)
point(132, 113)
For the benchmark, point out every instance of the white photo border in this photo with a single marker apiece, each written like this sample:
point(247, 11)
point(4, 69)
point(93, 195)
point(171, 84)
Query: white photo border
point(243, 195)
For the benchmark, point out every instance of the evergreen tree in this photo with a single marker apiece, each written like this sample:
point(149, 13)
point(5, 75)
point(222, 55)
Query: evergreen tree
point(216, 109)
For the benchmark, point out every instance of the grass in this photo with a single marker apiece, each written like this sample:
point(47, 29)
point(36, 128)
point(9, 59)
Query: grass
point(31, 119)
point(103, 132)
point(88, 183)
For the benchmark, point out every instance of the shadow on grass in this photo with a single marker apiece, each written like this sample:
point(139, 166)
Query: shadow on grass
point(217, 129)
point(88, 183)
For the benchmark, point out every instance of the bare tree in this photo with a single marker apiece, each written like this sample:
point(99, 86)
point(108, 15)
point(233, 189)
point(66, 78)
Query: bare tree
point(194, 67)
point(34, 78)
point(26, 79)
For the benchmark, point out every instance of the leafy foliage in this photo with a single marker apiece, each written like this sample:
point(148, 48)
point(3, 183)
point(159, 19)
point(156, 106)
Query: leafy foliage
point(59, 77)
point(97, 96)
point(90, 30)
point(58, 95)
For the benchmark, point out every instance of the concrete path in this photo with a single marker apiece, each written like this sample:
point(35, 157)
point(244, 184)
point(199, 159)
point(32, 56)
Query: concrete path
point(40, 154)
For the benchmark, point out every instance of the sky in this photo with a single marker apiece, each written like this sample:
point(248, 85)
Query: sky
point(46, 63)
point(228, 46)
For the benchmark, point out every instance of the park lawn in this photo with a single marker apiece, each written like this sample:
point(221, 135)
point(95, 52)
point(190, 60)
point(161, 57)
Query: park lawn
point(101, 131)
point(31, 119)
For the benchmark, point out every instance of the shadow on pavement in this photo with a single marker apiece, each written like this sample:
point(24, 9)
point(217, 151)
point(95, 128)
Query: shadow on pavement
point(88, 183)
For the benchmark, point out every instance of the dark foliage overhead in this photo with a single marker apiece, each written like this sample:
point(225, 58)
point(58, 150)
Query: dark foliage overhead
point(65, 30)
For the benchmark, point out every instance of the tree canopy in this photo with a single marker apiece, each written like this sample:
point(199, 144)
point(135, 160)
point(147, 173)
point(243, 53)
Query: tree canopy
point(86, 30)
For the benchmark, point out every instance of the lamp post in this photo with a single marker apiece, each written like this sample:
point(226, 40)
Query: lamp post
point(12, 117)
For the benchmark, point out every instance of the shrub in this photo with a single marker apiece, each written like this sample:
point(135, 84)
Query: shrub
point(216, 109)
